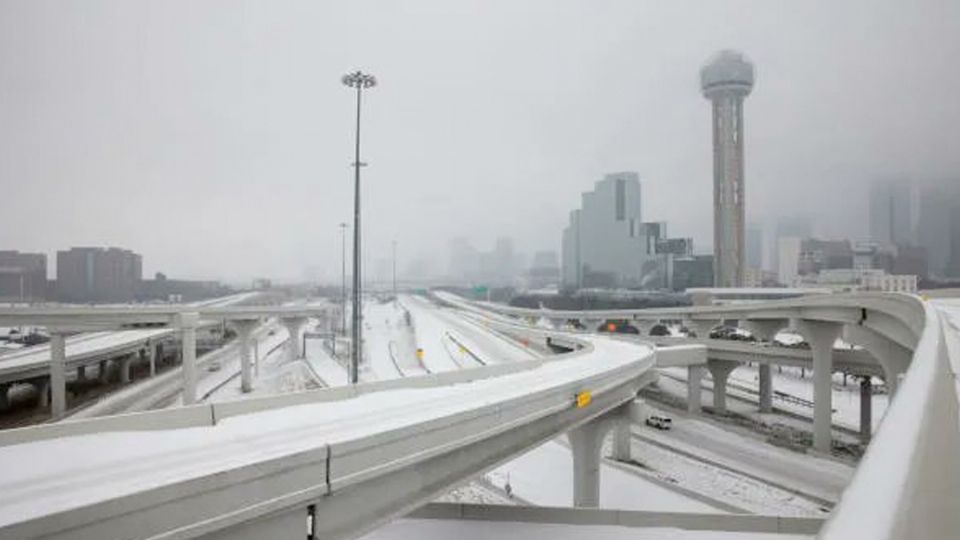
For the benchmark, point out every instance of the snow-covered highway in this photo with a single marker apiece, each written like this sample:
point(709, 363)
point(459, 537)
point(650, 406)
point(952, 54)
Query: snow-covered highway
point(114, 473)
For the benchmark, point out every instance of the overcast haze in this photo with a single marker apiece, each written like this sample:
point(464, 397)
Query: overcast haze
point(215, 138)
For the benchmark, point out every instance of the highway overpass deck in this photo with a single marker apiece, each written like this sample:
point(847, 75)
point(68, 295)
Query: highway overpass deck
point(221, 469)
point(82, 349)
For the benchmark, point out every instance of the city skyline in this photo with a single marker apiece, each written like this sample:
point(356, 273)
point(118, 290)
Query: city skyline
point(245, 137)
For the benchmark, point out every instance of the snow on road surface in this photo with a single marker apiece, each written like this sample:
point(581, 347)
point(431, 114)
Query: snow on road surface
point(489, 346)
point(435, 529)
point(544, 476)
point(329, 370)
point(729, 485)
point(106, 466)
point(81, 345)
point(390, 344)
point(430, 332)
point(822, 477)
point(273, 375)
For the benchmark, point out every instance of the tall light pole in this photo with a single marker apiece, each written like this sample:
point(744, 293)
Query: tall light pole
point(343, 278)
point(394, 270)
point(358, 80)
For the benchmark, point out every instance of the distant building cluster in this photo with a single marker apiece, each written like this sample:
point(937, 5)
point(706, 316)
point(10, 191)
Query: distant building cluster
point(914, 237)
point(608, 245)
point(23, 276)
point(92, 275)
point(497, 267)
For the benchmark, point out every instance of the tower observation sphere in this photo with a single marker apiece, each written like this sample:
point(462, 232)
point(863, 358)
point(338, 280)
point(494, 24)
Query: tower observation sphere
point(726, 79)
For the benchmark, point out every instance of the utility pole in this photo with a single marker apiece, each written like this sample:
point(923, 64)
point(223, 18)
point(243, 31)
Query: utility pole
point(358, 80)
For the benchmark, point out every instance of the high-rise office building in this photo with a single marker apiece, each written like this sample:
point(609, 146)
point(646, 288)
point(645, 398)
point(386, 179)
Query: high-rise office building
point(23, 276)
point(726, 80)
point(938, 227)
point(796, 226)
point(891, 213)
point(606, 243)
point(603, 242)
point(88, 274)
point(754, 246)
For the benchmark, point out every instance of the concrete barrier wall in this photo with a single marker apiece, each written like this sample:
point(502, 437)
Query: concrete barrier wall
point(226, 409)
point(194, 416)
point(623, 518)
point(209, 414)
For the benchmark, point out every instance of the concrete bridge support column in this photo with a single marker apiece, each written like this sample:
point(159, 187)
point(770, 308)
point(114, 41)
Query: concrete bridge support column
point(720, 371)
point(43, 389)
point(125, 363)
point(586, 442)
point(643, 327)
point(153, 355)
point(702, 327)
point(58, 375)
point(4, 396)
point(764, 329)
point(694, 389)
point(766, 388)
point(245, 338)
point(821, 336)
point(866, 410)
point(102, 371)
point(294, 324)
point(893, 357)
point(187, 322)
point(81, 373)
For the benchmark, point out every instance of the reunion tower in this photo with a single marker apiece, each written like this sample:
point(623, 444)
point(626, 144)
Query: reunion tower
point(726, 79)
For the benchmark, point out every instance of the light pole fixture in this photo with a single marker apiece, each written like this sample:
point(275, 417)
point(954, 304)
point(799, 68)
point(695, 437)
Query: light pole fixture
point(358, 80)
point(343, 278)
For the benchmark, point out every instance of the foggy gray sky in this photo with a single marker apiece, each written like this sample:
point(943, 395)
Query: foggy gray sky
point(215, 137)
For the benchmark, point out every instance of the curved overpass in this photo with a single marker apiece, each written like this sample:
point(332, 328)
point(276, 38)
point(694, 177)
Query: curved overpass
point(908, 483)
point(351, 457)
